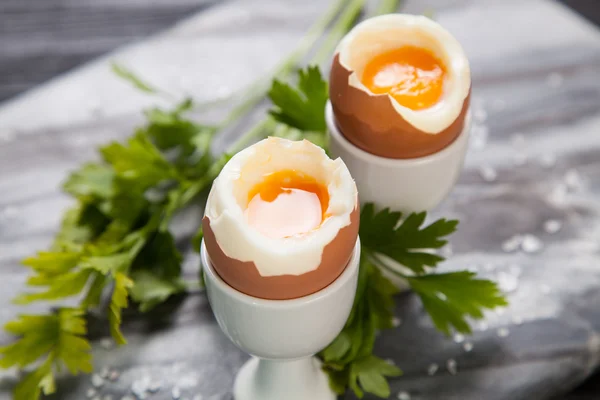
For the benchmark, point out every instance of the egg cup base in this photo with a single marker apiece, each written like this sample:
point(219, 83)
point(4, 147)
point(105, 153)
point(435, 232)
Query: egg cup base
point(406, 185)
point(302, 379)
point(282, 335)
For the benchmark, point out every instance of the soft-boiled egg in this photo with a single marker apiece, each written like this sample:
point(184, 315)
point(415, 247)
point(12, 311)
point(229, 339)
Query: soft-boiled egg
point(281, 219)
point(400, 86)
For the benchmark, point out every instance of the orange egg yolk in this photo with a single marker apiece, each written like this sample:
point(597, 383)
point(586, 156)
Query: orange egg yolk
point(287, 203)
point(411, 75)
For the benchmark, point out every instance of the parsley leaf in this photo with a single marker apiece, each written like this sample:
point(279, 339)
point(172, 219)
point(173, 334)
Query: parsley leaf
point(370, 373)
point(302, 108)
point(117, 303)
point(60, 335)
point(450, 297)
point(385, 232)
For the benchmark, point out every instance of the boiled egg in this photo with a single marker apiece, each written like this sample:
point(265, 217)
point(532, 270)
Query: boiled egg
point(400, 86)
point(281, 219)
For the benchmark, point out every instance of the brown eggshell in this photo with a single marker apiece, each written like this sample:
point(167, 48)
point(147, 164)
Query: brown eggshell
point(371, 122)
point(244, 276)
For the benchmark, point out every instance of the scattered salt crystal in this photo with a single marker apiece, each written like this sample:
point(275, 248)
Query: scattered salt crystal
point(459, 338)
point(114, 375)
point(91, 392)
point(500, 310)
point(176, 393)
point(390, 361)
point(489, 267)
point(512, 244)
point(403, 396)
point(548, 160)
point(451, 366)
point(573, 180)
point(552, 226)
point(483, 326)
point(107, 343)
point(432, 369)
point(154, 386)
point(517, 320)
point(531, 244)
point(503, 332)
point(488, 173)
point(127, 397)
point(97, 381)
point(508, 283)
point(396, 322)
point(468, 346)
point(554, 80)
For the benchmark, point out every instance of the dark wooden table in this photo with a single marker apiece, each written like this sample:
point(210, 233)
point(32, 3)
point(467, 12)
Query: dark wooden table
point(535, 157)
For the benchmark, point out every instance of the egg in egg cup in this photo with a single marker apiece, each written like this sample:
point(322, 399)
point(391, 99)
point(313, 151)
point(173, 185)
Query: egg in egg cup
point(280, 257)
point(398, 114)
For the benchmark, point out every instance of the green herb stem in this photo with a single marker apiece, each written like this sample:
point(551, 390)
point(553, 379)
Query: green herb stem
point(387, 6)
point(257, 90)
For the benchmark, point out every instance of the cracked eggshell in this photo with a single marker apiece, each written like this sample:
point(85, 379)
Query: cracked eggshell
point(280, 268)
point(377, 123)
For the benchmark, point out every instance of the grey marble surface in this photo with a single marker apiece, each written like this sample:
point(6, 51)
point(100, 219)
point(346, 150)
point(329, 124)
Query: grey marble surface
point(534, 158)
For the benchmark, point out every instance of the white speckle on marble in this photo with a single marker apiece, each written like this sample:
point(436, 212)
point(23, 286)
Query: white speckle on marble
point(488, 173)
point(512, 243)
point(452, 366)
point(531, 244)
point(517, 139)
point(507, 282)
point(554, 80)
point(468, 347)
point(176, 393)
point(396, 322)
point(432, 369)
point(503, 332)
point(97, 381)
point(548, 160)
point(573, 180)
point(517, 320)
point(458, 338)
point(403, 396)
point(91, 392)
point(552, 226)
point(480, 115)
point(520, 159)
point(107, 343)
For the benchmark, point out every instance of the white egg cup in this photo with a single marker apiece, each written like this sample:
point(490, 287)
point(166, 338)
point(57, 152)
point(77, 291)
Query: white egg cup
point(407, 185)
point(282, 335)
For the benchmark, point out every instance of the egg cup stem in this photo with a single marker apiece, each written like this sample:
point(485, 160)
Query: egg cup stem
point(282, 335)
point(261, 379)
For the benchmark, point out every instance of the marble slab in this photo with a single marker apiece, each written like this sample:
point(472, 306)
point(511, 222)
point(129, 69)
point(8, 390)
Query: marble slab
point(533, 170)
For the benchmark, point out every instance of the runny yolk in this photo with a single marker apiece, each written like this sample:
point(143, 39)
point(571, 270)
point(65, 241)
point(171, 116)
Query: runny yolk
point(287, 203)
point(411, 75)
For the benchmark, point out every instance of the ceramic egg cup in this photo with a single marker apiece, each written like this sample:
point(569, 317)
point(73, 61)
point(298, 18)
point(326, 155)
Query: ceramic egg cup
point(406, 185)
point(282, 335)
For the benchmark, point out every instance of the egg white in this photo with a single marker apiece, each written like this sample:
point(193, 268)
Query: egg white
point(384, 33)
point(228, 199)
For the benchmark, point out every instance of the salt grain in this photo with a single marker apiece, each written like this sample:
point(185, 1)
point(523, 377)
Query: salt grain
point(97, 381)
point(517, 320)
point(480, 115)
point(91, 392)
point(503, 332)
point(508, 283)
point(114, 375)
point(548, 160)
point(127, 397)
point(512, 244)
point(396, 322)
point(176, 393)
point(531, 244)
point(104, 372)
point(488, 173)
point(155, 386)
point(390, 361)
point(107, 343)
point(573, 180)
point(552, 226)
point(451, 366)
point(459, 338)
point(403, 396)
point(468, 346)
point(432, 369)
point(483, 326)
